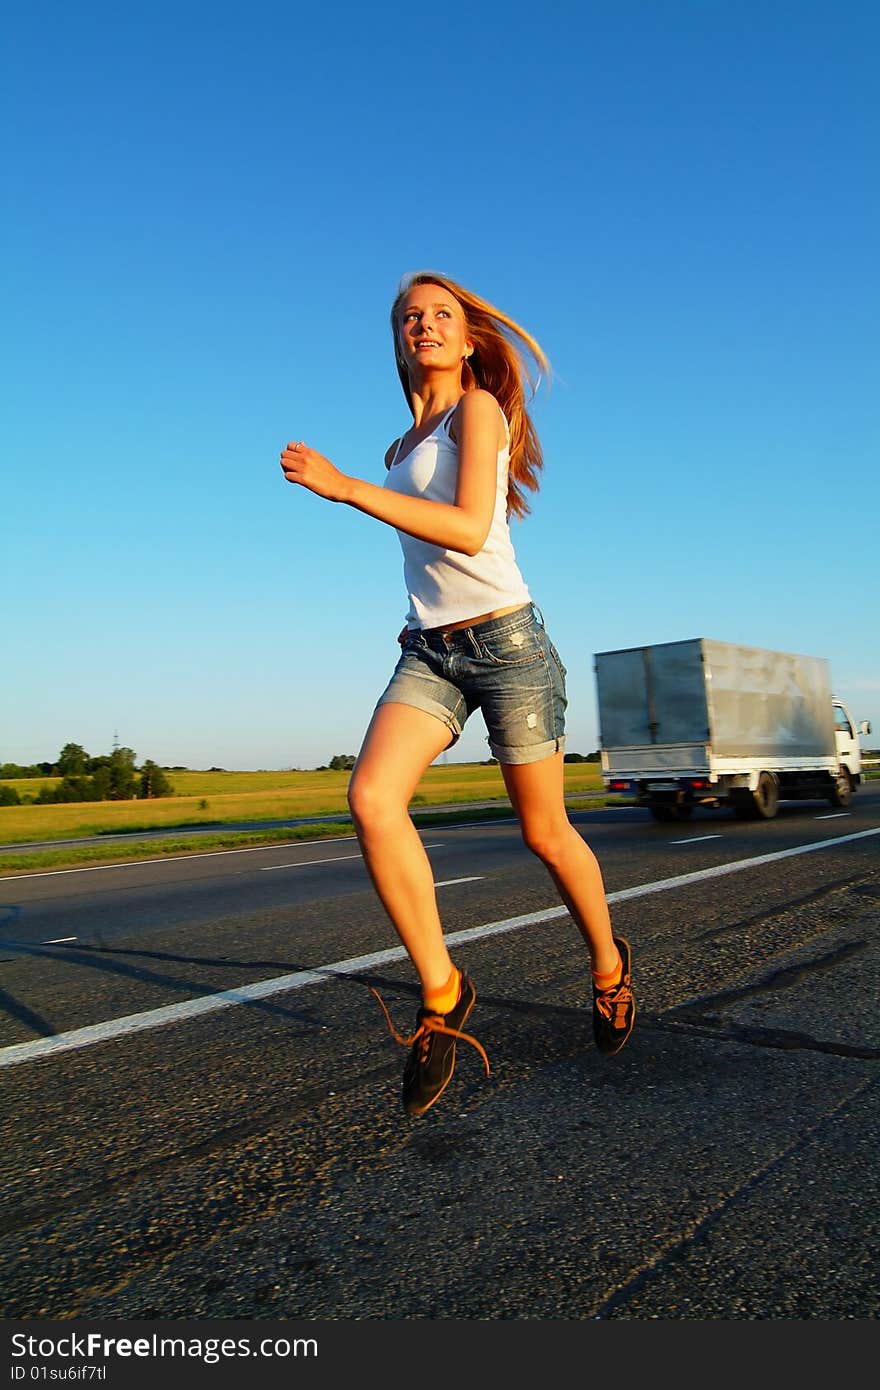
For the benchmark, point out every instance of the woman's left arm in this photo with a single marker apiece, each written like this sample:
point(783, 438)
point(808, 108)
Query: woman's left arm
point(462, 525)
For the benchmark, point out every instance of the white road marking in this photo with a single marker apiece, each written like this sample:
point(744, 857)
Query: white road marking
point(695, 840)
point(304, 863)
point(447, 882)
point(833, 815)
point(173, 858)
point(164, 859)
point(263, 989)
point(719, 870)
point(58, 940)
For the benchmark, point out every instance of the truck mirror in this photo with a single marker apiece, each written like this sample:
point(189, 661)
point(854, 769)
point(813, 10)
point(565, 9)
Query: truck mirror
point(865, 726)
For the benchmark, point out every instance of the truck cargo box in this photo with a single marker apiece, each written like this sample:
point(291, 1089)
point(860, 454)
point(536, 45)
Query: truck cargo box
point(745, 702)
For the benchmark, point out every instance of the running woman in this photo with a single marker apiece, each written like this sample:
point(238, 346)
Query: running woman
point(473, 640)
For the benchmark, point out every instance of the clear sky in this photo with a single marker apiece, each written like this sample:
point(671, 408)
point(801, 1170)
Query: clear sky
point(208, 207)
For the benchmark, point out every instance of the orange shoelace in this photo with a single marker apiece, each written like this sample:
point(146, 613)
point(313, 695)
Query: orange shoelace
point(613, 1003)
point(431, 1023)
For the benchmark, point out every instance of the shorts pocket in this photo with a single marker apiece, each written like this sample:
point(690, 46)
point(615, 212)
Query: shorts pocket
point(556, 657)
point(524, 646)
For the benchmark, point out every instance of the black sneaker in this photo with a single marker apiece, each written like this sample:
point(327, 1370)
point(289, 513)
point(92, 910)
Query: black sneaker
point(614, 1009)
point(431, 1061)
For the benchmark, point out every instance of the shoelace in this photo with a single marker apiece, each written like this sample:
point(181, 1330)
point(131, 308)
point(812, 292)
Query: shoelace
point(613, 1003)
point(431, 1023)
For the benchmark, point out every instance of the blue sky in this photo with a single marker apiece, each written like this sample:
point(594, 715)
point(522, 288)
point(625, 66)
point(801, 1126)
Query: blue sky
point(208, 209)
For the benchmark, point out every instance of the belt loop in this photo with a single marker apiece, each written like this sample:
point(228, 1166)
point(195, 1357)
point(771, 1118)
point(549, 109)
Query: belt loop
point(537, 610)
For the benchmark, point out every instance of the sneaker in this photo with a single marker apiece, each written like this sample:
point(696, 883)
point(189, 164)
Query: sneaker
point(614, 1009)
point(431, 1061)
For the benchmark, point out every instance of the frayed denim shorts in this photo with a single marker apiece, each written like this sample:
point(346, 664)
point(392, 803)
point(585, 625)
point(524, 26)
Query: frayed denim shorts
point(506, 667)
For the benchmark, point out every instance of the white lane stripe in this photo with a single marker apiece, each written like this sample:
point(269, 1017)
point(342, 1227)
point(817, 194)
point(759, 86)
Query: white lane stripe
point(304, 863)
point(447, 882)
point(833, 815)
point(165, 859)
point(736, 865)
point(695, 840)
point(58, 940)
point(173, 858)
point(263, 989)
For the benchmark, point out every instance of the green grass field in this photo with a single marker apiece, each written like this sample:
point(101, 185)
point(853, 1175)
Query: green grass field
point(227, 799)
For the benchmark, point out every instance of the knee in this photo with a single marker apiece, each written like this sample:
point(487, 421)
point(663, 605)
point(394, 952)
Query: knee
point(545, 838)
point(360, 797)
point(369, 801)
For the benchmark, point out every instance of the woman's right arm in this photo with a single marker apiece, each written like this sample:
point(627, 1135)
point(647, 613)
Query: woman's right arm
point(462, 525)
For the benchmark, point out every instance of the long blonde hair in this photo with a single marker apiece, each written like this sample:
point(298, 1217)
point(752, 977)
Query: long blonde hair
point(499, 364)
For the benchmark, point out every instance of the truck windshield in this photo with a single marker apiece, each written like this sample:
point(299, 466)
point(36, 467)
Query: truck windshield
point(841, 722)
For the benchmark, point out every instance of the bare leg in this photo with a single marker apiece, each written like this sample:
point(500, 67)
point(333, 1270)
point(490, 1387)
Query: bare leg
point(536, 791)
point(400, 744)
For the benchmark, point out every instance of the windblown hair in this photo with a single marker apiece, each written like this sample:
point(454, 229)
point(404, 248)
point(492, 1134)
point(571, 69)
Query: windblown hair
point(505, 361)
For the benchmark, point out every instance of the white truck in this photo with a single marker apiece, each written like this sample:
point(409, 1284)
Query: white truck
point(706, 723)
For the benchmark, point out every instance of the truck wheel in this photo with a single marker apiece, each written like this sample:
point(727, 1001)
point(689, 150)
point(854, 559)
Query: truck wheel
point(766, 797)
point(843, 789)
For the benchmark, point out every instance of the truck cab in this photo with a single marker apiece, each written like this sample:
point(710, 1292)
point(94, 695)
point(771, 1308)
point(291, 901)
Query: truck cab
point(849, 752)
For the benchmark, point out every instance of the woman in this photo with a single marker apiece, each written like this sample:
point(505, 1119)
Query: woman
point(472, 640)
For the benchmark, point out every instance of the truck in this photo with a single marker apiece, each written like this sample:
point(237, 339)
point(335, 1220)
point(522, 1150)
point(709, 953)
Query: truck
point(716, 724)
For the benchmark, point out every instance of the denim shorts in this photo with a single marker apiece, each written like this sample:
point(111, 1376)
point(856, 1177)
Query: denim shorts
point(506, 667)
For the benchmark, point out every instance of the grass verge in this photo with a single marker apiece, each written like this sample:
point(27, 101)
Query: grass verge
point(133, 848)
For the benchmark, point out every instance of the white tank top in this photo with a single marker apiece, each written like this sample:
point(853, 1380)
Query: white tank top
point(445, 586)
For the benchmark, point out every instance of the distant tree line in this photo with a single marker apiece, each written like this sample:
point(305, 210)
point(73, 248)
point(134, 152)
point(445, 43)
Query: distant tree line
point(344, 762)
point(340, 762)
point(109, 777)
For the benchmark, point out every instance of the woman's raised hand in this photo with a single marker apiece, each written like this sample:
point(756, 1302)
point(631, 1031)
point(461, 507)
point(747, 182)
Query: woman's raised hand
point(312, 470)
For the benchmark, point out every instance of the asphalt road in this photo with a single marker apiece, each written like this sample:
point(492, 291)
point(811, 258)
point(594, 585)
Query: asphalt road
point(200, 1097)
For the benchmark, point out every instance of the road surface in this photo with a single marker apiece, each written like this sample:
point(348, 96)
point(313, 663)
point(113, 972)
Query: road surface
point(201, 1099)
